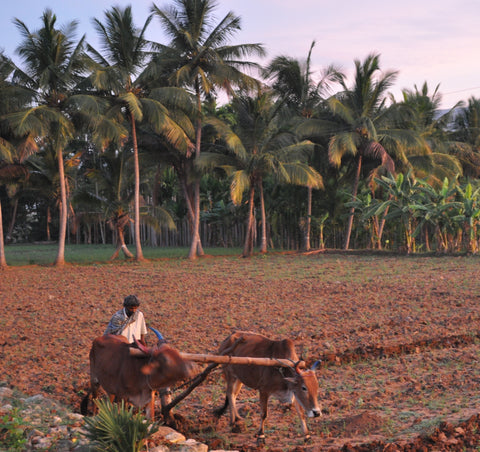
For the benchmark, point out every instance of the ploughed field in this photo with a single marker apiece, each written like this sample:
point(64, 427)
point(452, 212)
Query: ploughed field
point(398, 336)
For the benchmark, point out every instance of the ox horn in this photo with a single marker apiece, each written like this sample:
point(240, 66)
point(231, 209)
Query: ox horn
point(158, 334)
point(141, 346)
point(298, 364)
point(316, 364)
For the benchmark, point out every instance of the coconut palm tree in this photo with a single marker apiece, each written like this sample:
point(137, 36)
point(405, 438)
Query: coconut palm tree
point(161, 152)
point(365, 127)
point(9, 170)
point(260, 148)
point(53, 66)
point(10, 173)
point(108, 190)
point(292, 81)
point(467, 123)
point(44, 182)
point(433, 157)
point(466, 146)
point(12, 152)
point(199, 59)
point(124, 54)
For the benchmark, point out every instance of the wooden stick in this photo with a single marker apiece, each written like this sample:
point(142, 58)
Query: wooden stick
point(194, 383)
point(222, 359)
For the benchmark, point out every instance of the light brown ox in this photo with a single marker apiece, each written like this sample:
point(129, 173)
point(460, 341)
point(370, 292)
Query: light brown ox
point(289, 385)
point(133, 374)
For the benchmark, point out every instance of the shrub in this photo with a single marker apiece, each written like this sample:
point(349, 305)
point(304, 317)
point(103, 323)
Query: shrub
point(12, 431)
point(117, 429)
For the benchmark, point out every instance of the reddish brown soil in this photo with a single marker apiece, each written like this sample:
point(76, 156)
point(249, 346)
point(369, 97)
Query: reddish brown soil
point(398, 338)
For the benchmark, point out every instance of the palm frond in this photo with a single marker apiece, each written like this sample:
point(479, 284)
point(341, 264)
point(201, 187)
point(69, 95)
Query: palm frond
point(341, 144)
point(231, 139)
point(377, 151)
point(7, 151)
point(12, 172)
point(304, 175)
point(240, 182)
point(163, 124)
point(133, 103)
point(107, 130)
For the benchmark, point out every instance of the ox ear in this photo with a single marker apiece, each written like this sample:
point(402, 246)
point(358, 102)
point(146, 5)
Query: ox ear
point(292, 381)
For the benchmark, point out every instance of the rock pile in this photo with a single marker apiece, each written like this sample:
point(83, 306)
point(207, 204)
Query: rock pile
point(49, 426)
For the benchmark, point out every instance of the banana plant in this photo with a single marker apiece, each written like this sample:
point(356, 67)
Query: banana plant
point(437, 210)
point(366, 208)
point(403, 204)
point(469, 217)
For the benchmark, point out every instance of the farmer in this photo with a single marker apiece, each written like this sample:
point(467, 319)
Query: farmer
point(129, 321)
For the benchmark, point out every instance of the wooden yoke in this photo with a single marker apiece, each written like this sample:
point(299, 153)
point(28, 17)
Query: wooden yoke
point(225, 359)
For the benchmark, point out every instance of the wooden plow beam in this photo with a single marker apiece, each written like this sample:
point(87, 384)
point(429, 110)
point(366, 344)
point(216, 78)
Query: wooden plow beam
point(245, 360)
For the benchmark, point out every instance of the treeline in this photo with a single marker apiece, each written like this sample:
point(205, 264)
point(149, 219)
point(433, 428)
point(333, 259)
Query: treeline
point(125, 144)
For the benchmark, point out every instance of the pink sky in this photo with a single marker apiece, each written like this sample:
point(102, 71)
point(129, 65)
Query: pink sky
point(434, 41)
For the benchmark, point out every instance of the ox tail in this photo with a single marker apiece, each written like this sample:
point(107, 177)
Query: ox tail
point(84, 403)
point(219, 411)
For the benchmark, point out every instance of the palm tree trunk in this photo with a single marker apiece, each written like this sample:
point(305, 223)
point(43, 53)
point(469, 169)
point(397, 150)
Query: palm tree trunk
point(49, 220)
point(348, 232)
point(138, 242)
point(121, 246)
point(374, 240)
point(195, 245)
point(193, 253)
point(12, 221)
point(190, 213)
point(248, 246)
point(3, 260)
point(309, 220)
point(263, 242)
point(60, 259)
point(322, 241)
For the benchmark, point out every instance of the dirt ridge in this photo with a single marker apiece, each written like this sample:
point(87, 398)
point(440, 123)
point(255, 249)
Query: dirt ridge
point(367, 352)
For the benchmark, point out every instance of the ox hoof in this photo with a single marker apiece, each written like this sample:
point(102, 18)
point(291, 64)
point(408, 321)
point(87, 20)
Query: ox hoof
point(170, 421)
point(238, 427)
point(260, 440)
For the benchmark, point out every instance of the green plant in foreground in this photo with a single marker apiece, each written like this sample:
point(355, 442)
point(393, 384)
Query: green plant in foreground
point(12, 431)
point(117, 429)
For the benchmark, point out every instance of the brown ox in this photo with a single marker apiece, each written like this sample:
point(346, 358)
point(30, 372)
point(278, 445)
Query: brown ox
point(133, 374)
point(289, 385)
